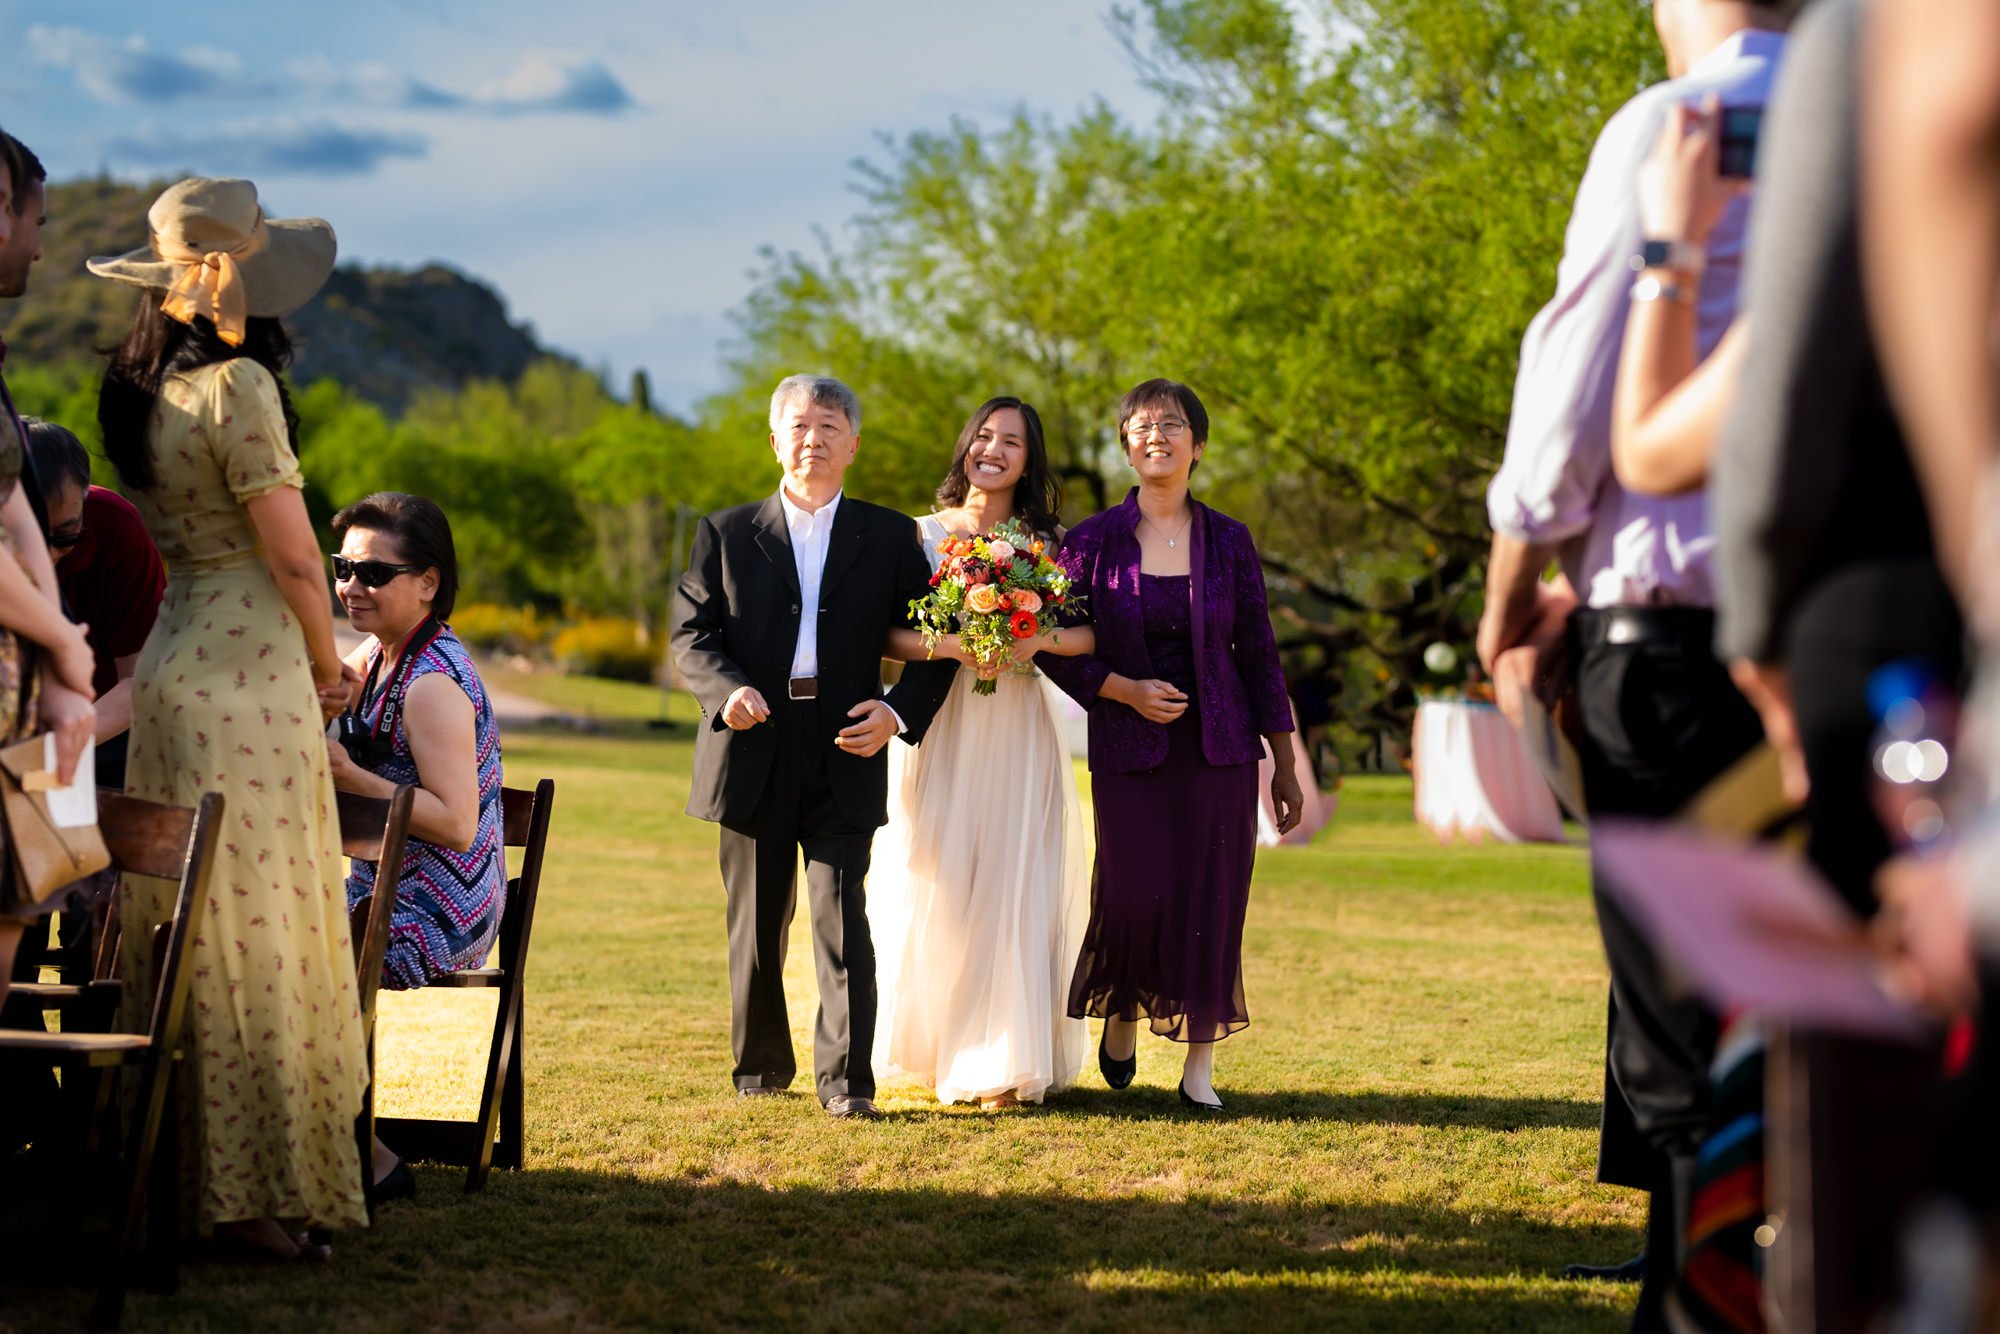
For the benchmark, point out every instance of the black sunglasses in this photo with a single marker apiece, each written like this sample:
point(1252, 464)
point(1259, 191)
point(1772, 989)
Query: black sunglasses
point(65, 541)
point(372, 573)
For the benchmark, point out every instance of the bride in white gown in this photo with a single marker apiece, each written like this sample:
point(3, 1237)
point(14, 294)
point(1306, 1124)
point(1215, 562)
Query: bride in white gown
point(978, 887)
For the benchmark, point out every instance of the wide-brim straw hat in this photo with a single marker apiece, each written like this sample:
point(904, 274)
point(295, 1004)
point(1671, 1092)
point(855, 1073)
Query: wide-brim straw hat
point(218, 225)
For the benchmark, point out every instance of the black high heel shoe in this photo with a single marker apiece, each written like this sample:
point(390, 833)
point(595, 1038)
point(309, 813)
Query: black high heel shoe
point(398, 1183)
point(1118, 1074)
point(1188, 1100)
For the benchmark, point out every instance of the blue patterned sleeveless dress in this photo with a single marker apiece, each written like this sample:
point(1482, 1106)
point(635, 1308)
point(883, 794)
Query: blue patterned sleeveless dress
point(448, 904)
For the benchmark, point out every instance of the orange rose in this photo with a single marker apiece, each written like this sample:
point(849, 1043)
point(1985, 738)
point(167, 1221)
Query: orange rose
point(982, 598)
point(1027, 599)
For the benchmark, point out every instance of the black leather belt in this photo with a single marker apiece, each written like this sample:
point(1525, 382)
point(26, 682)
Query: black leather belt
point(803, 687)
point(1596, 626)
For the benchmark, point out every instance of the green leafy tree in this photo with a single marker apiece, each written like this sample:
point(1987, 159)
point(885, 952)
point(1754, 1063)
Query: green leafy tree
point(1336, 232)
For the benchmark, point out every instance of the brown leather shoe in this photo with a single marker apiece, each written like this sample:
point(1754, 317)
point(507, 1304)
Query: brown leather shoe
point(850, 1106)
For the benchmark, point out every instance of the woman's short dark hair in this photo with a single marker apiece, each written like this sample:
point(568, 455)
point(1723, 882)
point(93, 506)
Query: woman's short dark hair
point(1037, 497)
point(57, 454)
point(1153, 392)
point(421, 531)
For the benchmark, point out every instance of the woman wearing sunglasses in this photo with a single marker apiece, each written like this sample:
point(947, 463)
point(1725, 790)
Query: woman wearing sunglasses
point(421, 717)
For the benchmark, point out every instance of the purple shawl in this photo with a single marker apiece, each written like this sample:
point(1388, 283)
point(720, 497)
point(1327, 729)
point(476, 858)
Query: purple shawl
point(1238, 682)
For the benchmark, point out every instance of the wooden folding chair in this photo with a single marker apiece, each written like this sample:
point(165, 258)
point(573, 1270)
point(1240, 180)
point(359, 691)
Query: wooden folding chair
point(373, 829)
point(87, 994)
point(495, 1138)
point(173, 843)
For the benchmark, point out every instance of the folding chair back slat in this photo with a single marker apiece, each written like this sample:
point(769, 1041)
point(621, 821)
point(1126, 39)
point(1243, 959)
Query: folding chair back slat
point(375, 829)
point(495, 1139)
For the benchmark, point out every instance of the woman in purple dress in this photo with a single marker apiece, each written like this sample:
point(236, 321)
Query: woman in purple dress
point(1179, 671)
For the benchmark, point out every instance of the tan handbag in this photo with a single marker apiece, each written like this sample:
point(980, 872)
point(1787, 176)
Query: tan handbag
point(43, 857)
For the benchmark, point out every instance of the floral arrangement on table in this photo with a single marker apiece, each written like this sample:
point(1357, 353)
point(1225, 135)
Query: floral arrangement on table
point(993, 588)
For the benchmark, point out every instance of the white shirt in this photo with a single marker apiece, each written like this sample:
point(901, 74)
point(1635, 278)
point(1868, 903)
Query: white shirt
point(1555, 485)
point(810, 533)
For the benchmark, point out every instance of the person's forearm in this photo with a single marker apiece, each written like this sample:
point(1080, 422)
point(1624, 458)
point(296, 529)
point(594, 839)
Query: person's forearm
point(1118, 689)
point(1658, 355)
point(1283, 757)
point(1071, 642)
point(19, 518)
point(1513, 580)
point(909, 646)
point(304, 591)
point(114, 711)
point(1931, 201)
point(430, 818)
point(25, 610)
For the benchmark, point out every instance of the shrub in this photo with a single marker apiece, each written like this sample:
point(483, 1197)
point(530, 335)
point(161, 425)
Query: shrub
point(605, 646)
point(491, 628)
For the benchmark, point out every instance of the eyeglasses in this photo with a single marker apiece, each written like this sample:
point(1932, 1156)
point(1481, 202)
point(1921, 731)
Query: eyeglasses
point(66, 540)
point(1169, 429)
point(372, 573)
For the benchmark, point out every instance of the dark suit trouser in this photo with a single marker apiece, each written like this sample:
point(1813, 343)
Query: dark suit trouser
point(1661, 720)
point(760, 874)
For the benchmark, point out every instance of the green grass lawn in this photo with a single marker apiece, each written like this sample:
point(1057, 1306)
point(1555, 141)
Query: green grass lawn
point(1416, 1118)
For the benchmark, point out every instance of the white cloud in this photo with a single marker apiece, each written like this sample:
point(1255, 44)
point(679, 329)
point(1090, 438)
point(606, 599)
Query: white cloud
point(131, 71)
point(372, 84)
point(553, 81)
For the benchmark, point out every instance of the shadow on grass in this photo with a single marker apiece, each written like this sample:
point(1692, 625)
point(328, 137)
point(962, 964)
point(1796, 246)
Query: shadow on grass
point(1474, 1111)
point(565, 1249)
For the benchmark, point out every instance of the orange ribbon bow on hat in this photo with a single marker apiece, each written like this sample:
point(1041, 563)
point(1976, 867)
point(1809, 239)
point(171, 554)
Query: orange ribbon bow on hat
point(211, 284)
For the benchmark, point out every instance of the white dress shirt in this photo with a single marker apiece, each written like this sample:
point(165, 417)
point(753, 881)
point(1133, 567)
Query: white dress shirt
point(1555, 487)
point(810, 531)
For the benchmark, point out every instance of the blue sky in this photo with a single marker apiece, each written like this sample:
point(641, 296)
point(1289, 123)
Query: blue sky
point(612, 166)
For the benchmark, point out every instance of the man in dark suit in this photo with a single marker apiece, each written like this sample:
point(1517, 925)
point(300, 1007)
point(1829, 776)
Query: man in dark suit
point(779, 626)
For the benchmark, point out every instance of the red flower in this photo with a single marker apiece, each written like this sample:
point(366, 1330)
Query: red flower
point(1021, 624)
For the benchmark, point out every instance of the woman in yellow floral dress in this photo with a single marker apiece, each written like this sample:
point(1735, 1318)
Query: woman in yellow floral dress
point(229, 697)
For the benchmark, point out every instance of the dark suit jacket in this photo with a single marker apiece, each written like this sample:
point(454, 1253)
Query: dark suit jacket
point(1237, 677)
point(1811, 475)
point(736, 623)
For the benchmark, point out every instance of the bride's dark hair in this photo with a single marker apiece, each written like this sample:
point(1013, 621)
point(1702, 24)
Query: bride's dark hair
point(1037, 498)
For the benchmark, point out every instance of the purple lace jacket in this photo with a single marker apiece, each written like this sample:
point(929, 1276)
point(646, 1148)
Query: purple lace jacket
point(1240, 685)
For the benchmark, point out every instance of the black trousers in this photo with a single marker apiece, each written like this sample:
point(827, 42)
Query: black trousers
point(1661, 720)
point(760, 874)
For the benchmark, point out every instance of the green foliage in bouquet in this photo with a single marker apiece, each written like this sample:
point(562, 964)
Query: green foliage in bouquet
point(993, 589)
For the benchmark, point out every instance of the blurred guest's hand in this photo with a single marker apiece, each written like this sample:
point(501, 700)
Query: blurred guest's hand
point(1769, 690)
point(1924, 925)
point(73, 719)
point(1682, 191)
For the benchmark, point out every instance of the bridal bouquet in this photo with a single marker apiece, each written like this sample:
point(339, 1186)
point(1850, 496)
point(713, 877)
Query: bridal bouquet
point(993, 588)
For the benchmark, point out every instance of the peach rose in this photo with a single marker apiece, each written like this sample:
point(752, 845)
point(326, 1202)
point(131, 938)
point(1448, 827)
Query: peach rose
point(1002, 551)
point(1027, 599)
point(982, 598)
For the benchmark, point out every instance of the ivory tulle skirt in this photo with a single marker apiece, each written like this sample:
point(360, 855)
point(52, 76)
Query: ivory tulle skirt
point(978, 893)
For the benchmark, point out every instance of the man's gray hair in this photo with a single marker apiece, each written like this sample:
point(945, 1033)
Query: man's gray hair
point(821, 391)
